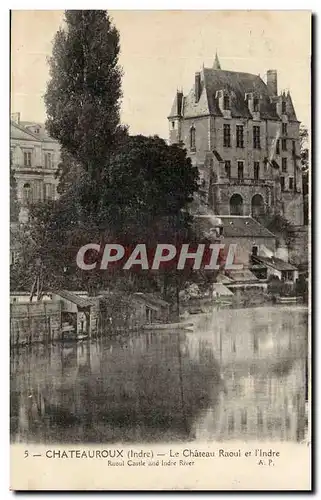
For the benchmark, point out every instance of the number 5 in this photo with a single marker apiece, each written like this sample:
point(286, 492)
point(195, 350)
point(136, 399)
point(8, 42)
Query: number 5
point(26, 454)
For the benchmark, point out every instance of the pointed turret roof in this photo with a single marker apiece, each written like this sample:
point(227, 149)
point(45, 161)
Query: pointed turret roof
point(178, 104)
point(289, 107)
point(216, 64)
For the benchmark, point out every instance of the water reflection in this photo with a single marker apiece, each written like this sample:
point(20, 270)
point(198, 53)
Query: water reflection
point(240, 373)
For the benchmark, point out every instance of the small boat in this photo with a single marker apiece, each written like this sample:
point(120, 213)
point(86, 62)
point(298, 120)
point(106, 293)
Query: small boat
point(222, 302)
point(195, 310)
point(287, 300)
point(74, 338)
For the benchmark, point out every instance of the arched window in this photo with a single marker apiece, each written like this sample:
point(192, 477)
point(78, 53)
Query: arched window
point(26, 193)
point(257, 205)
point(236, 205)
point(192, 138)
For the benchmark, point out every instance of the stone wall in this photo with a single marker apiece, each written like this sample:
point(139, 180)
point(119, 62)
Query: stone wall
point(299, 245)
point(209, 137)
point(244, 247)
point(293, 207)
point(223, 192)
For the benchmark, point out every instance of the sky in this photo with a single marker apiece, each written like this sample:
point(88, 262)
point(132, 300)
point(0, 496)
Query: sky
point(162, 50)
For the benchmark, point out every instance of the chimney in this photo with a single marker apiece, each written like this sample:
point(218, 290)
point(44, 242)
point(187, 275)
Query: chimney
point(272, 82)
point(179, 99)
point(15, 117)
point(197, 86)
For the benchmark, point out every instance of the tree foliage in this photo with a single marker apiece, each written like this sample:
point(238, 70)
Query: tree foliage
point(278, 225)
point(83, 95)
point(14, 204)
point(113, 187)
point(304, 156)
point(304, 149)
point(145, 190)
point(142, 197)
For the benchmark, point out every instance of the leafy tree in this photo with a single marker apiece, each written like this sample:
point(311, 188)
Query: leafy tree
point(302, 287)
point(304, 150)
point(83, 99)
point(83, 94)
point(278, 225)
point(304, 156)
point(146, 189)
point(142, 198)
point(14, 205)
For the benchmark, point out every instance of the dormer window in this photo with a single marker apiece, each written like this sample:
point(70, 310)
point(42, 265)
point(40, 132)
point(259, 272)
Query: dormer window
point(253, 102)
point(223, 97)
point(226, 102)
point(256, 104)
point(283, 107)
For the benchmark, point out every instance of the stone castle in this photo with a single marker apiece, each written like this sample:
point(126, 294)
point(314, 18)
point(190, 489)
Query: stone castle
point(244, 138)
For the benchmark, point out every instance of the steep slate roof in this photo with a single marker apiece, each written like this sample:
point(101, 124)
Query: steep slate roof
point(17, 131)
point(276, 263)
point(290, 108)
point(243, 226)
point(24, 131)
point(178, 105)
point(234, 226)
point(194, 109)
point(238, 84)
point(41, 135)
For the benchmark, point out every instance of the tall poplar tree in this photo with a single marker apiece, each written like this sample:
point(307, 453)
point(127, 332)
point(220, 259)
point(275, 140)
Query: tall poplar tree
point(83, 95)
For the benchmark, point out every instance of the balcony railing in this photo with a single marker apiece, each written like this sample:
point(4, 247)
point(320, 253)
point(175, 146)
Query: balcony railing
point(247, 181)
point(35, 168)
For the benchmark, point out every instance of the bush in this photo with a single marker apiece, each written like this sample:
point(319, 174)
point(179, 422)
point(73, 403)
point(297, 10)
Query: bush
point(274, 285)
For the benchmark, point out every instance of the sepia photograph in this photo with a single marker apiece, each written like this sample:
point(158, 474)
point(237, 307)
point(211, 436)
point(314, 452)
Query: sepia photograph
point(159, 238)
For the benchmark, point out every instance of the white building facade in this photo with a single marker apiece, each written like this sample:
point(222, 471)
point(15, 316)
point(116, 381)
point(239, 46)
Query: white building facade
point(34, 158)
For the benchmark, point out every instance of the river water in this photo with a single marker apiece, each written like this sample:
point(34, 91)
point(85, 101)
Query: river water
point(238, 374)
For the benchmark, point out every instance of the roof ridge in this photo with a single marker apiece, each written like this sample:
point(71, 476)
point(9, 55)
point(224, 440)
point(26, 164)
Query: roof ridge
point(232, 71)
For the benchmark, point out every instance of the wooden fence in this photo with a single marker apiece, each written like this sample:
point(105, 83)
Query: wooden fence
point(34, 322)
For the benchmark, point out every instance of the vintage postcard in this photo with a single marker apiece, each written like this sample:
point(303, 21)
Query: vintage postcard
point(160, 250)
